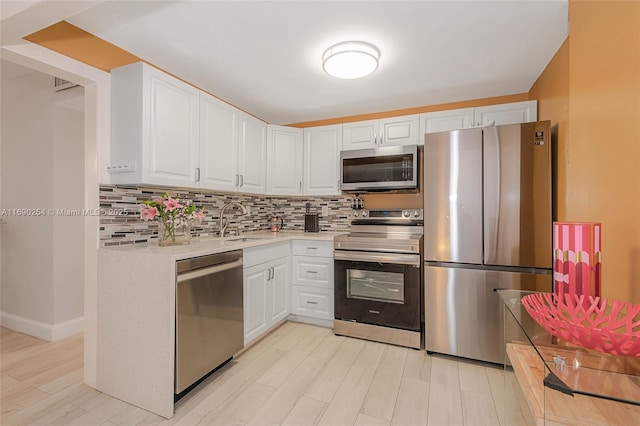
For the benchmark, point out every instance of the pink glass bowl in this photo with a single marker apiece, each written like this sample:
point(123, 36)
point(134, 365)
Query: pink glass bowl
point(588, 321)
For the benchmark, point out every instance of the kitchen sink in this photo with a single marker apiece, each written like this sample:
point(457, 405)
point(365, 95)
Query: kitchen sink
point(244, 239)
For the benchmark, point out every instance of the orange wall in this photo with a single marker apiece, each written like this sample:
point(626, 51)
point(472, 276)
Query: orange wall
point(603, 156)
point(591, 92)
point(552, 93)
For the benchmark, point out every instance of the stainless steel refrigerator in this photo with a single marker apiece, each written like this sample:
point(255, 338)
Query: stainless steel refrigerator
point(487, 225)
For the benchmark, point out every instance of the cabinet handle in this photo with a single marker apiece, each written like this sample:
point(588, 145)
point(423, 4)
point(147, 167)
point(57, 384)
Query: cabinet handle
point(300, 186)
point(312, 272)
point(269, 274)
point(375, 139)
point(237, 180)
point(197, 174)
point(311, 303)
point(241, 180)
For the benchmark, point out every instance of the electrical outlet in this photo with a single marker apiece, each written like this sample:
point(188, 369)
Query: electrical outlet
point(325, 211)
point(248, 208)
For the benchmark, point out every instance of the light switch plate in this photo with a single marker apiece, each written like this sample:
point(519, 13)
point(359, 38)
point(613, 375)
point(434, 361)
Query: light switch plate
point(325, 211)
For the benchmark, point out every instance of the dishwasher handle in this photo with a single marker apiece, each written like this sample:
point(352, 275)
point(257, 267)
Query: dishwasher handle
point(185, 276)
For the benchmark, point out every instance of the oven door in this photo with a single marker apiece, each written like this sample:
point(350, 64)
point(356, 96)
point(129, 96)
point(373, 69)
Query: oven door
point(378, 288)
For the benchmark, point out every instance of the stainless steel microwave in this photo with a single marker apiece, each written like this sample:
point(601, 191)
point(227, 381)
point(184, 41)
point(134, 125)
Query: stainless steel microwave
point(379, 169)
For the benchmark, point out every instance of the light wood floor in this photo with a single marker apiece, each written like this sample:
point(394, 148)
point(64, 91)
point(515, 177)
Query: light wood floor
point(297, 375)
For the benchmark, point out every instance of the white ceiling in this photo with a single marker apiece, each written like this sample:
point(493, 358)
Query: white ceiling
point(265, 56)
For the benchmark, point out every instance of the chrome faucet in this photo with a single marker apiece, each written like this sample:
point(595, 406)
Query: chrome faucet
point(223, 227)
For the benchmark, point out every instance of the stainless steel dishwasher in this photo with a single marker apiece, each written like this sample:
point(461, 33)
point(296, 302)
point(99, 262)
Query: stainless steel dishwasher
point(209, 318)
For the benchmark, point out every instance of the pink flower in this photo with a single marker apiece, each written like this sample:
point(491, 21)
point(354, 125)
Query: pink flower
point(148, 212)
point(172, 204)
point(199, 215)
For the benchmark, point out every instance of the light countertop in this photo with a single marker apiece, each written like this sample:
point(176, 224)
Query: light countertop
point(202, 246)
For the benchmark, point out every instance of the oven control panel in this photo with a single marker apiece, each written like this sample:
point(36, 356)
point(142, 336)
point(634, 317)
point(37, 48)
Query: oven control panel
point(391, 215)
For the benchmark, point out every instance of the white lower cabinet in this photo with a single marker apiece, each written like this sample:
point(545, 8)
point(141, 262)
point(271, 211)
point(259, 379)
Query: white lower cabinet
point(312, 279)
point(255, 302)
point(312, 302)
point(278, 286)
point(266, 287)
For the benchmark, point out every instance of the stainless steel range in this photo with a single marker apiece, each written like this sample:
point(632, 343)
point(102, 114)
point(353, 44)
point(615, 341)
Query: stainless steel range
point(378, 277)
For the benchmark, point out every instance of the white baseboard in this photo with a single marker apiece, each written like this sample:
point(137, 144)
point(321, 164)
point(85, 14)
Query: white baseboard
point(41, 330)
point(310, 320)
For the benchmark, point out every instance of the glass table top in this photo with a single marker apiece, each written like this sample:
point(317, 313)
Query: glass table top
point(577, 369)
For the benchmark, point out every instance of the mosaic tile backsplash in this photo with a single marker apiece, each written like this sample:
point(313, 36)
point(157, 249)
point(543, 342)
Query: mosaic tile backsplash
point(120, 222)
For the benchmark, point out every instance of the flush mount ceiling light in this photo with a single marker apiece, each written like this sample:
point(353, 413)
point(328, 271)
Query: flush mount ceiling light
point(350, 59)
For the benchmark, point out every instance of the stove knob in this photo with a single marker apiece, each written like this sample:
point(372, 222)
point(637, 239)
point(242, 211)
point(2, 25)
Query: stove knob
point(365, 214)
point(406, 213)
point(356, 214)
point(416, 213)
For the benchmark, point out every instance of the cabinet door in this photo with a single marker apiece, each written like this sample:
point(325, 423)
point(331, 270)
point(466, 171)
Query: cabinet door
point(253, 154)
point(360, 135)
point(279, 286)
point(256, 319)
point(284, 160)
point(401, 130)
point(170, 156)
point(322, 160)
point(445, 121)
point(512, 113)
point(218, 144)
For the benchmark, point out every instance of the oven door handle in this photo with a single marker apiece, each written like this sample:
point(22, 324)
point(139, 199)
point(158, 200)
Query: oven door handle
point(367, 256)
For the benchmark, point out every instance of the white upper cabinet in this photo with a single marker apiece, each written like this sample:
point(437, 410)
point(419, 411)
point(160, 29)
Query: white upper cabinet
point(284, 160)
point(444, 121)
point(453, 119)
point(165, 132)
point(515, 112)
point(218, 144)
point(322, 160)
point(360, 135)
point(155, 132)
point(253, 155)
point(402, 130)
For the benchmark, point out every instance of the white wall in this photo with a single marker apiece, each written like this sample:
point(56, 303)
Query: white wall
point(68, 193)
point(41, 275)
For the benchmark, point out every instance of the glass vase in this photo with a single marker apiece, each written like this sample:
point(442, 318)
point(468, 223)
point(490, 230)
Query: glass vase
point(172, 233)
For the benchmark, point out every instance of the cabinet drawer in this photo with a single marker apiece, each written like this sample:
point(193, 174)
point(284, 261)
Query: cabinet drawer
point(313, 271)
point(260, 254)
point(313, 248)
point(312, 302)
